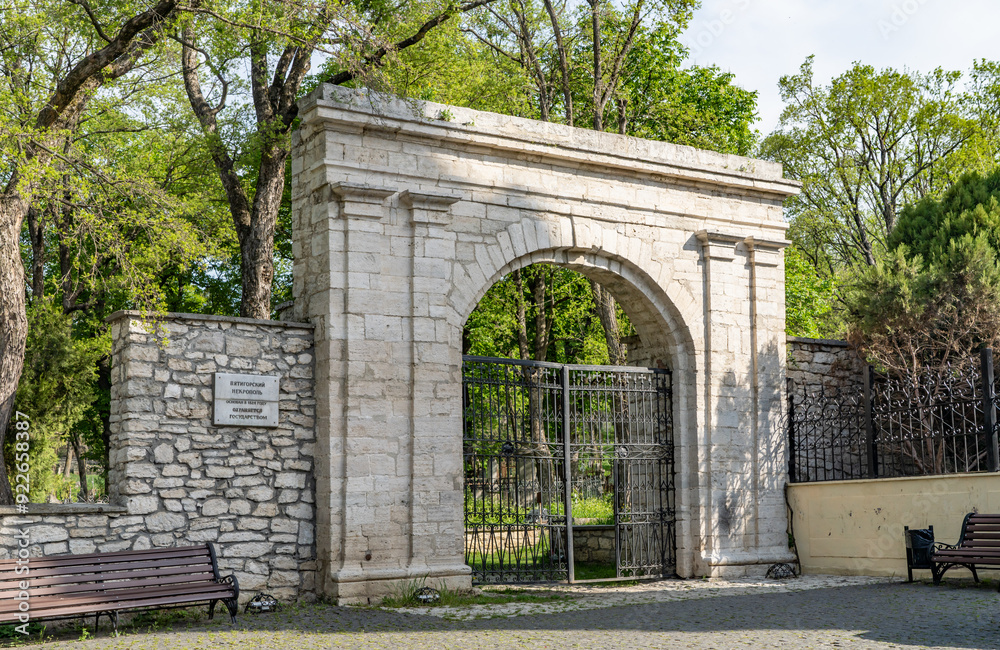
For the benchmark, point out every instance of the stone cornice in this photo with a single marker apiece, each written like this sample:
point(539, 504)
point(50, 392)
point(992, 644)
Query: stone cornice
point(35, 509)
point(153, 317)
point(555, 143)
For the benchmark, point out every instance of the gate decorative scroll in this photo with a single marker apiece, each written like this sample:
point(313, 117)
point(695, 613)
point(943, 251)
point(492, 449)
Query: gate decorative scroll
point(550, 450)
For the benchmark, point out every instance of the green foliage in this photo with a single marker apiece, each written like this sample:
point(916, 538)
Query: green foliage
point(56, 388)
point(936, 296)
point(600, 510)
point(576, 337)
point(863, 146)
point(809, 299)
point(696, 106)
point(914, 314)
point(971, 207)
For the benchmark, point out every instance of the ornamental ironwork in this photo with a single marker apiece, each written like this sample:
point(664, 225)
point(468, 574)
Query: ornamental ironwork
point(546, 445)
point(890, 426)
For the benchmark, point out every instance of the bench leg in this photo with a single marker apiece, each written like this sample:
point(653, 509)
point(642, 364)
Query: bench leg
point(937, 571)
point(975, 576)
point(211, 609)
point(233, 606)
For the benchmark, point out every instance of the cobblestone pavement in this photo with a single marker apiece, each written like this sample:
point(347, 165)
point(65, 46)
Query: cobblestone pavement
point(858, 614)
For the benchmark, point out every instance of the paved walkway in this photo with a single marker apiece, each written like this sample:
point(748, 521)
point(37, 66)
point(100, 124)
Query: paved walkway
point(803, 613)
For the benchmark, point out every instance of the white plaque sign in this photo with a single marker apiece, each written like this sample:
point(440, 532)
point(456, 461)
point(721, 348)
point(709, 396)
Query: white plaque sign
point(246, 400)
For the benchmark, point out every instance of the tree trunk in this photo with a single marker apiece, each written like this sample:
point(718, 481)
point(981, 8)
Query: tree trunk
point(13, 319)
point(622, 105)
point(563, 62)
point(104, 385)
point(67, 469)
point(599, 98)
point(608, 313)
point(36, 229)
point(257, 237)
point(81, 462)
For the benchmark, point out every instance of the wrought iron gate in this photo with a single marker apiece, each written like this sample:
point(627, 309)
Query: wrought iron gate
point(552, 452)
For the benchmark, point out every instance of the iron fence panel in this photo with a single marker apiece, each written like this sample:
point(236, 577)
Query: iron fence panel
point(935, 424)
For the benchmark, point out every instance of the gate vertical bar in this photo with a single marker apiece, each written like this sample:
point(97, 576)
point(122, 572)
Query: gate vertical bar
point(791, 429)
point(567, 474)
point(989, 410)
point(870, 425)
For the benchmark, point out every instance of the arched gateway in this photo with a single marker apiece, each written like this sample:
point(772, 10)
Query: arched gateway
point(404, 216)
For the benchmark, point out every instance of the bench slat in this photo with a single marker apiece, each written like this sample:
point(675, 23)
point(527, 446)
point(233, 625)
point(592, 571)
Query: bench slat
point(969, 559)
point(91, 569)
point(205, 590)
point(72, 585)
point(69, 559)
point(136, 603)
point(38, 590)
point(988, 551)
point(196, 573)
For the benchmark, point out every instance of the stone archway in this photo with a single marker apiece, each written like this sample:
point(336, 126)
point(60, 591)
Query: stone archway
point(402, 222)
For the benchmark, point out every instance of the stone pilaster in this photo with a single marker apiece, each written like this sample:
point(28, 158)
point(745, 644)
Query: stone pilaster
point(437, 538)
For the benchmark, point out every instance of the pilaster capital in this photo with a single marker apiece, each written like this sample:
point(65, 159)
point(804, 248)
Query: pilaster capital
point(719, 245)
point(361, 201)
point(765, 252)
point(427, 207)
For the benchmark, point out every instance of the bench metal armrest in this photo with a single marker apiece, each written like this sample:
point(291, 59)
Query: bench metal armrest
point(941, 546)
point(231, 580)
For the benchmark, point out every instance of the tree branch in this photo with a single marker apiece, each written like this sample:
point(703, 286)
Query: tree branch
point(375, 59)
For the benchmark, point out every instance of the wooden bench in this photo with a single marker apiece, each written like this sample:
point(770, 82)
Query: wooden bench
point(70, 586)
point(978, 546)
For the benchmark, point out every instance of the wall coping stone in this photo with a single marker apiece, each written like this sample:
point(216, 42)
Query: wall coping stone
point(129, 313)
point(65, 509)
point(857, 481)
point(837, 343)
point(594, 526)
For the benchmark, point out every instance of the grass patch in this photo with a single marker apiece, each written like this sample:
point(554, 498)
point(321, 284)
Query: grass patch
point(599, 571)
point(10, 636)
point(593, 571)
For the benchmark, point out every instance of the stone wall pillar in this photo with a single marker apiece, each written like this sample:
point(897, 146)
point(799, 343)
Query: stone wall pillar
point(182, 479)
point(175, 478)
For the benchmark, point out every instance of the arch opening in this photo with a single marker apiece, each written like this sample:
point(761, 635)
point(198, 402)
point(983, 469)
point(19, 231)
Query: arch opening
point(568, 467)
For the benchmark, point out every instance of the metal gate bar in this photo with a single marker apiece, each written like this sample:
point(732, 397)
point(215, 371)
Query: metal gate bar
point(539, 436)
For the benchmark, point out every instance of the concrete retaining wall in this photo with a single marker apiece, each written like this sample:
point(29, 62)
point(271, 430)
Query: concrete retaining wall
point(856, 527)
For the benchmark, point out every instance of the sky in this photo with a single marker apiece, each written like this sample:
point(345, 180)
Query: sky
point(761, 40)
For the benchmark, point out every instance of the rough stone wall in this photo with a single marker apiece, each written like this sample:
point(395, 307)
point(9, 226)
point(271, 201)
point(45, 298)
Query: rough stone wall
point(403, 221)
point(594, 544)
point(826, 364)
point(176, 479)
point(65, 528)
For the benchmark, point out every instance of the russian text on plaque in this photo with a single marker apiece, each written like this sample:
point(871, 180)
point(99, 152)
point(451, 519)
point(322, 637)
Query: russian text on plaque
point(246, 400)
